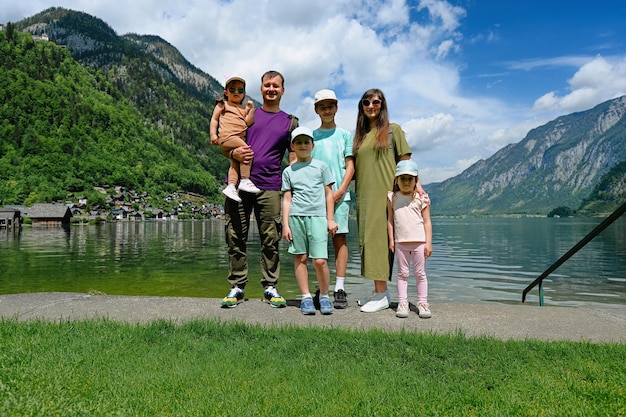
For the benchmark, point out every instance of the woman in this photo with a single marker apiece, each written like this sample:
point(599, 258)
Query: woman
point(378, 145)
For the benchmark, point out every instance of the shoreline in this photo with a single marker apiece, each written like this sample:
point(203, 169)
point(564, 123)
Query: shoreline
point(503, 322)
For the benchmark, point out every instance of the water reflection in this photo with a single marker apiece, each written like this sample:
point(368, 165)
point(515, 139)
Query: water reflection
point(474, 261)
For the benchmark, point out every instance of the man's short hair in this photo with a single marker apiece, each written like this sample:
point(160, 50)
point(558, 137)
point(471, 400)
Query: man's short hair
point(272, 74)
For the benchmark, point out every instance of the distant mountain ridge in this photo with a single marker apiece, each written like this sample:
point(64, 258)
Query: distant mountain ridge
point(557, 164)
point(94, 43)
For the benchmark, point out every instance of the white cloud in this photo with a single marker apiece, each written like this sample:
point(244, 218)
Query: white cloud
point(444, 15)
point(392, 12)
point(546, 102)
point(429, 175)
point(429, 133)
point(553, 62)
point(595, 81)
point(445, 48)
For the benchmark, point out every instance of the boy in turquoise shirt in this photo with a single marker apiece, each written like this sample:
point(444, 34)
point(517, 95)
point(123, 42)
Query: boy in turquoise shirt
point(333, 145)
point(308, 218)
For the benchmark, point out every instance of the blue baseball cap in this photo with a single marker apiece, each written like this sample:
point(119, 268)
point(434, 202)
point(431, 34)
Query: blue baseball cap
point(406, 167)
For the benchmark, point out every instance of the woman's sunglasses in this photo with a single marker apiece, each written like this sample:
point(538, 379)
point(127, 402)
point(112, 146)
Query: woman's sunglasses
point(365, 102)
point(239, 90)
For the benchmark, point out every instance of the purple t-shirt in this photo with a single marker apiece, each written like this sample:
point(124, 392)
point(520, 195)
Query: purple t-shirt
point(269, 139)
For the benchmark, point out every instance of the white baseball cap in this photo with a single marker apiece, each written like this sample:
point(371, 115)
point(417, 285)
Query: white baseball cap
point(325, 95)
point(301, 131)
point(231, 79)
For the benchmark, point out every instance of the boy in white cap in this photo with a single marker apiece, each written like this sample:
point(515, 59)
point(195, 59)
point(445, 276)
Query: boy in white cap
point(333, 145)
point(229, 124)
point(308, 218)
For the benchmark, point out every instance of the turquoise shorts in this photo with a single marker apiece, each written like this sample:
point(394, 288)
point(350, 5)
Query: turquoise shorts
point(310, 236)
point(342, 211)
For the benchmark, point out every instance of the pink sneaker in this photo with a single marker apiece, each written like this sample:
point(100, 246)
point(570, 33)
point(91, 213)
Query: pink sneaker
point(424, 310)
point(403, 309)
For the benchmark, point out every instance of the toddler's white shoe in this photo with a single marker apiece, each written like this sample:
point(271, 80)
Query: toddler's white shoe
point(248, 186)
point(231, 192)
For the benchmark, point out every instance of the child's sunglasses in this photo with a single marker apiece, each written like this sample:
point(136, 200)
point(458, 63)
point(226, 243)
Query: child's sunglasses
point(239, 90)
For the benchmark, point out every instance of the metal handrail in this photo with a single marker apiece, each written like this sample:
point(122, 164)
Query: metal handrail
point(599, 228)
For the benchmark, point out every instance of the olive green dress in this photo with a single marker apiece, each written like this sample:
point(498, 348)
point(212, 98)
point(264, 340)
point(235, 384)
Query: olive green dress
point(374, 179)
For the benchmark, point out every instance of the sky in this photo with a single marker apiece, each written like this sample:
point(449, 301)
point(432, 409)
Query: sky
point(463, 78)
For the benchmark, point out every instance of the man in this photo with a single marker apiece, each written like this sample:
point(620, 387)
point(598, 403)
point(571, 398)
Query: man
point(268, 139)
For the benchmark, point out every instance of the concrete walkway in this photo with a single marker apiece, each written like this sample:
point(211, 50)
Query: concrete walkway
point(518, 322)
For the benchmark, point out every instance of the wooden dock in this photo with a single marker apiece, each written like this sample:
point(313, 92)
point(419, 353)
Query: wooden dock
point(10, 219)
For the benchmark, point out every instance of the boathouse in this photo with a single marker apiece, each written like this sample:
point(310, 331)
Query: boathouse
point(9, 218)
point(43, 214)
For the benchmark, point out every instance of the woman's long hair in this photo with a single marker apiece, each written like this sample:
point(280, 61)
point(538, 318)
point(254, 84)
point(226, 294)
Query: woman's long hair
point(381, 124)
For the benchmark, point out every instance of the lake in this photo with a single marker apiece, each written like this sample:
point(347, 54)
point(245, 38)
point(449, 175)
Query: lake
point(475, 260)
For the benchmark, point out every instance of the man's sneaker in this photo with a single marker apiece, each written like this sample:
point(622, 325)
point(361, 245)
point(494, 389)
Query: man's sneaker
point(325, 306)
point(378, 302)
point(248, 186)
point(423, 310)
point(341, 299)
point(231, 192)
point(271, 296)
point(234, 297)
point(403, 309)
point(307, 307)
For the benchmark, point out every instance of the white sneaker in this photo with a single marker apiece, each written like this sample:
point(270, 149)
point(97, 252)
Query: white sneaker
point(424, 310)
point(231, 192)
point(378, 302)
point(362, 301)
point(248, 186)
point(403, 309)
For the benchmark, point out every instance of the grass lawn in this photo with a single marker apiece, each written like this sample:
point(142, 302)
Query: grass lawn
point(210, 368)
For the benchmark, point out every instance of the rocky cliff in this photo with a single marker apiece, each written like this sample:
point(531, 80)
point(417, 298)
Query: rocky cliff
point(557, 164)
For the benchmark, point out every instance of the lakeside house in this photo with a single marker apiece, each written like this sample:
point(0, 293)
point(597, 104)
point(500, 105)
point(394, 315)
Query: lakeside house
point(122, 205)
point(10, 218)
point(43, 214)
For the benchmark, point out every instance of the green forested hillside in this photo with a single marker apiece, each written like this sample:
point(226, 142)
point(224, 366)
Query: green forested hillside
point(64, 128)
point(608, 194)
point(171, 94)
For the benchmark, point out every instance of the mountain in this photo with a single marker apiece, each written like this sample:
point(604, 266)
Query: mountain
point(65, 129)
point(169, 92)
point(558, 164)
point(608, 194)
point(84, 87)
